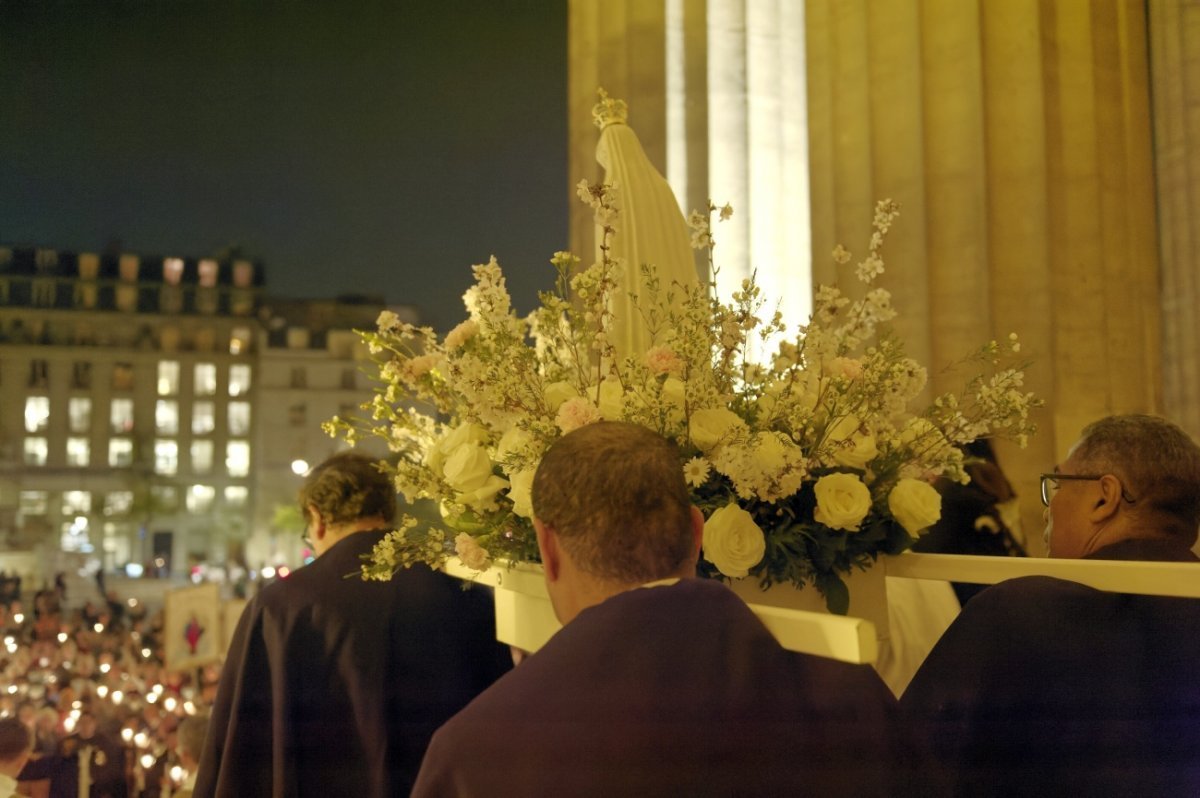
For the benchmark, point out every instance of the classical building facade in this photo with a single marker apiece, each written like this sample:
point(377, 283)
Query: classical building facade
point(151, 407)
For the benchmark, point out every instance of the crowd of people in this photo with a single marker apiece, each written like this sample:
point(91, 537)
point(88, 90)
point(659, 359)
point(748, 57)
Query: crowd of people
point(105, 716)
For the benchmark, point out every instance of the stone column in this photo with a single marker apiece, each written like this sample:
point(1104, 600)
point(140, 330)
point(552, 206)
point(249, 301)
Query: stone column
point(1175, 69)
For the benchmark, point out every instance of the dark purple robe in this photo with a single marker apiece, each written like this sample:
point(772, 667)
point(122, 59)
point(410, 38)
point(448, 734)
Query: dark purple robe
point(333, 686)
point(669, 691)
point(1048, 687)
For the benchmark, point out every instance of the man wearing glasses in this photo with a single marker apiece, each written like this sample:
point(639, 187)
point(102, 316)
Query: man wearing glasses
point(1128, 490)
point(334, 685)
point(1047, 687)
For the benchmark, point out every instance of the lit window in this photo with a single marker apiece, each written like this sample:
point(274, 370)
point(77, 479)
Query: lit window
point(237, 458)
point(127, 297)
point(37, 413)
point(202, 456)
point(89, 265)
point(166, 417)
point(208, 273)
point(236, 495)
point(172, 270)
point(202, 418)
point(166, 457)
point(119, 502)
point(36, 450)
point(168, 377)
point(243, 273)
point(128, 267)
point(121, 415)
point(79, 452)
point(120, 452)
point(75, 535)
point(200, 498)
point(79, 411)
point(34, 502)
point(239, 379)
point(76, 502)
point(206, 379)
point(239, 341)
point(239, 418)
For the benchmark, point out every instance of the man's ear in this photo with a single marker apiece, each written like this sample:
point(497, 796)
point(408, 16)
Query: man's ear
point(548, 546)
point(316, 522)
point(1109, 500)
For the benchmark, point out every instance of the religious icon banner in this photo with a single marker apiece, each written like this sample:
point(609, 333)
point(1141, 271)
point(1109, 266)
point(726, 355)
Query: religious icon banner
point(192, 627)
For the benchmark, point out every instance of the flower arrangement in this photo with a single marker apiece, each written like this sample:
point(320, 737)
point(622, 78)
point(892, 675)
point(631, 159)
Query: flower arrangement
point(807, 465)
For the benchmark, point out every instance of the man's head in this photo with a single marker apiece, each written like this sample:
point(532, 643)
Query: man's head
point(86, 725)
point(612, 512)
point(16, 742)
point(1135, 476)
point(345, 493)
point(189, 740)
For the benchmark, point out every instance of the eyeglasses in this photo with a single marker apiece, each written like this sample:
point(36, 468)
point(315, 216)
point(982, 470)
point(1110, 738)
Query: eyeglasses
point(1050, 485)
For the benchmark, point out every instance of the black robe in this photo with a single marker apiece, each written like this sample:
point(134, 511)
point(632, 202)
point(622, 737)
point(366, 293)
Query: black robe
point(106, 767)
point(669, 691)
point(1048, 687)
point(333, 686)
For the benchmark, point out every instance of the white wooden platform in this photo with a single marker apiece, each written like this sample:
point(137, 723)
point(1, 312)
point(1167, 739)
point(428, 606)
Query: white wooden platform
point(525, 617)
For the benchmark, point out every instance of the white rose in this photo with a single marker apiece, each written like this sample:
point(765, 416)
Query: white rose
point(923, 438)
point(514, 441)
point(732, 541)
point(484, 496)
point(851, 446)
point(714, 426)
point(464, 433)
point(612, 399)
point(674, 399)
point(520, 491)
point(468, 468)
point(915, 504)
point(774, 452)
point(769, 399)
point(558, 392)
point(843, 501)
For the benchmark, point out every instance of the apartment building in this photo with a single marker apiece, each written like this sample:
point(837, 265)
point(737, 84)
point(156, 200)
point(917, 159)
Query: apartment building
point(151, 408)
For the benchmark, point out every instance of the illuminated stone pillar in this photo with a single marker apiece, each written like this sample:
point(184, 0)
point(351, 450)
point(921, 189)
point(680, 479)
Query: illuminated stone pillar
point(732, 96)
point(1015, 135)
point(1175, 66)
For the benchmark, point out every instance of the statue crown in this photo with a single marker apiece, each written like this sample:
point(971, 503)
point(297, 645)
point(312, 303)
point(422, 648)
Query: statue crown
point(609, 111)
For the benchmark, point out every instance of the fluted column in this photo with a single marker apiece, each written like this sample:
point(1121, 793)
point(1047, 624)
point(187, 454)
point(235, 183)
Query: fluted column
point(1175, 68)
point(1015, 135)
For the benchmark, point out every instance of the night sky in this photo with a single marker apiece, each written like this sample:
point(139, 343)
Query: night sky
point(351, 147)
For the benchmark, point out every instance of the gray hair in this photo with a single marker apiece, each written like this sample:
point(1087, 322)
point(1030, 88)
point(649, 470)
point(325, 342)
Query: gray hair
point(1157, 463)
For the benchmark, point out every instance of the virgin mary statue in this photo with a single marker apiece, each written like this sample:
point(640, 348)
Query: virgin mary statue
point(650, 230)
